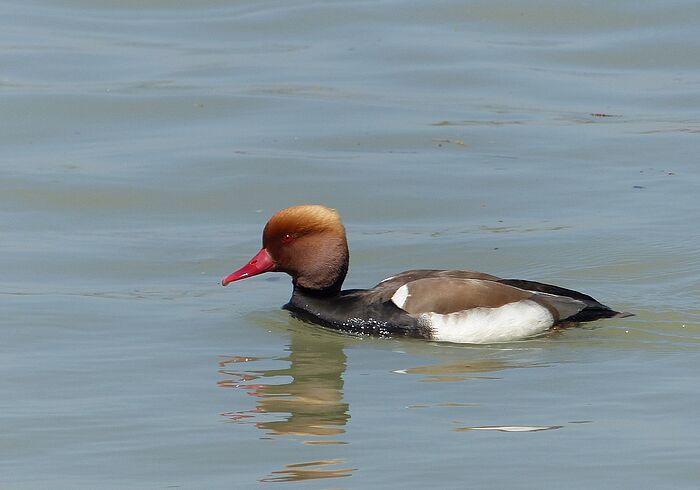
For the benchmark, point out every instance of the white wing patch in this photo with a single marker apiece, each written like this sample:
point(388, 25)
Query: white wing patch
point(514, 321)
point(400, 296)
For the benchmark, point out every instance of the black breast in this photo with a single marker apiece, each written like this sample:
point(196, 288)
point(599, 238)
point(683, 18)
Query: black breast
point(354, 311)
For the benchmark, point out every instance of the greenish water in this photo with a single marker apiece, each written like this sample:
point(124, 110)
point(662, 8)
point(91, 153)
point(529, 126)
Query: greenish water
point(145, 144)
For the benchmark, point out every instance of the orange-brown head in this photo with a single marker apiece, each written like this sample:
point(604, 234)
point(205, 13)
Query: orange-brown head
point(308, 243)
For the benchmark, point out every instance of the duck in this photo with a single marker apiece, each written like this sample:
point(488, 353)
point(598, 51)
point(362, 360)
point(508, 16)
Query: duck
point(309, 243)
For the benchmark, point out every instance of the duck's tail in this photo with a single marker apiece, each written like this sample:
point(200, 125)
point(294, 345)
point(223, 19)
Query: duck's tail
point(594, 310)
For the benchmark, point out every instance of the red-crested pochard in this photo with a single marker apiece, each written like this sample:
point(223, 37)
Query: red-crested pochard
point(308, 242)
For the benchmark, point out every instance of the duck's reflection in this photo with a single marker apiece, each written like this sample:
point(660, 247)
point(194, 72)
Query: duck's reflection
point(301, 394)
point(309, 471)
point(458, 370)
point(305, 398)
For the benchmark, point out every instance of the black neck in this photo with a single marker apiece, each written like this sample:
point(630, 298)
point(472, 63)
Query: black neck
point(328, 292)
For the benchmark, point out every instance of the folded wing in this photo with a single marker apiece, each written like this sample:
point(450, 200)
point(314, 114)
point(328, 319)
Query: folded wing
point(448, 295)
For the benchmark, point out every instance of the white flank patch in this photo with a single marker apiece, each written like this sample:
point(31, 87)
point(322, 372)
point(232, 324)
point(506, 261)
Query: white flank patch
point(514, 321)
point(400, 296)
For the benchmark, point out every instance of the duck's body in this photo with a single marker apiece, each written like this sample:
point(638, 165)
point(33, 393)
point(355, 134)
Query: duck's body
point(309, 243)
point(445, 305)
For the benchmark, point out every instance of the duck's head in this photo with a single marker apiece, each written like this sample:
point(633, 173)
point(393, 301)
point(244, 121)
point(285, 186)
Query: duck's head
point(308, 243)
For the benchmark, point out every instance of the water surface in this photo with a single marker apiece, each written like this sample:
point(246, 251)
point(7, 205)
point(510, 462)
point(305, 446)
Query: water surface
point(145, 144)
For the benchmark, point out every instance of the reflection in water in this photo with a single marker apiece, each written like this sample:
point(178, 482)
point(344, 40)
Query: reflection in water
point(443, 405)
point(302, 471)
point(305, 398)
point(458, 370)
point(309, 404)
point(511, 428)
point(302, 395)
point(465, 370)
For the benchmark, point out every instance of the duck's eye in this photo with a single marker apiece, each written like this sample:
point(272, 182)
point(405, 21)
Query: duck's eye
point(286, 238)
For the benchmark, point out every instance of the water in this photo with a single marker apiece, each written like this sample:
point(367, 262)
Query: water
point(145, 144)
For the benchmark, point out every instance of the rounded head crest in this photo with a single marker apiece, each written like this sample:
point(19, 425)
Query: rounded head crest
point(297, 221)
point(308, 242)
